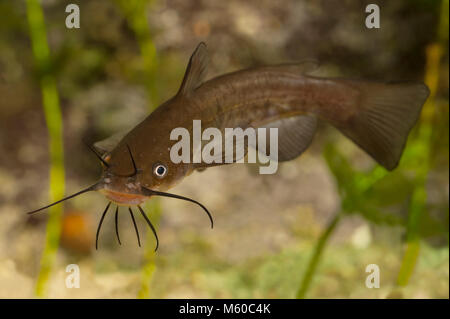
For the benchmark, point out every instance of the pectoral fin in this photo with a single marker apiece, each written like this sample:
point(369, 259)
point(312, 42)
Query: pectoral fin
point(236, 151)
point(294, 136)
point(108, 144)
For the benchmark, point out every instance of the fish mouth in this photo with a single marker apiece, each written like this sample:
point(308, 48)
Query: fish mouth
point(124, 199)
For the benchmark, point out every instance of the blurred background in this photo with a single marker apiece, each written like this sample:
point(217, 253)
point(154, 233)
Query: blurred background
point(308, 231)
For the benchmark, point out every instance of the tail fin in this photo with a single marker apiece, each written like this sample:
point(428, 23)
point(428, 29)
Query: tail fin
point(387, 113)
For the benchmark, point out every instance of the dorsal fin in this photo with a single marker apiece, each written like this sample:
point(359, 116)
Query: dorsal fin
point(196, 70)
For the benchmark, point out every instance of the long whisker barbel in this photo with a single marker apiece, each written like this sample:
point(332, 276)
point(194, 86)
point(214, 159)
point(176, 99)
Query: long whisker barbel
point(150, 192)
point(150, 225)
point(90, 188)
point(135, 226)
point(116, 219)
point(100, 224)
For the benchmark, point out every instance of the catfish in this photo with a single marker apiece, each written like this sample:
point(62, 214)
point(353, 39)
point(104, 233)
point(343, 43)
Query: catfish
point(377, 116)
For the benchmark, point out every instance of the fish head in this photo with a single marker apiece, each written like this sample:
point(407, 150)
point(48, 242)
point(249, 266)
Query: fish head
point(133, 172)
point(137, 165)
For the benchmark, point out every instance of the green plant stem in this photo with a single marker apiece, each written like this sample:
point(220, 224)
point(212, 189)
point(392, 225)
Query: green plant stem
point(135, 12)
point(314, 261)
point(149, 267)
point(418, 201)
point(50, 100)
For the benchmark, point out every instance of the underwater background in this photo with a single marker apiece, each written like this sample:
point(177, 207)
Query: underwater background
point(308, 231)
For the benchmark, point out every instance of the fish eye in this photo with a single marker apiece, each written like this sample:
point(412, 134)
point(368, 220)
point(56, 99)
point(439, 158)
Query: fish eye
point(160, 170)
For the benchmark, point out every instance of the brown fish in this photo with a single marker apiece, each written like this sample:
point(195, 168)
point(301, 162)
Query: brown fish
point(376, 116)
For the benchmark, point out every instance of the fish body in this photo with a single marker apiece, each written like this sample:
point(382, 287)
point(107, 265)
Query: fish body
point(377, 116)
